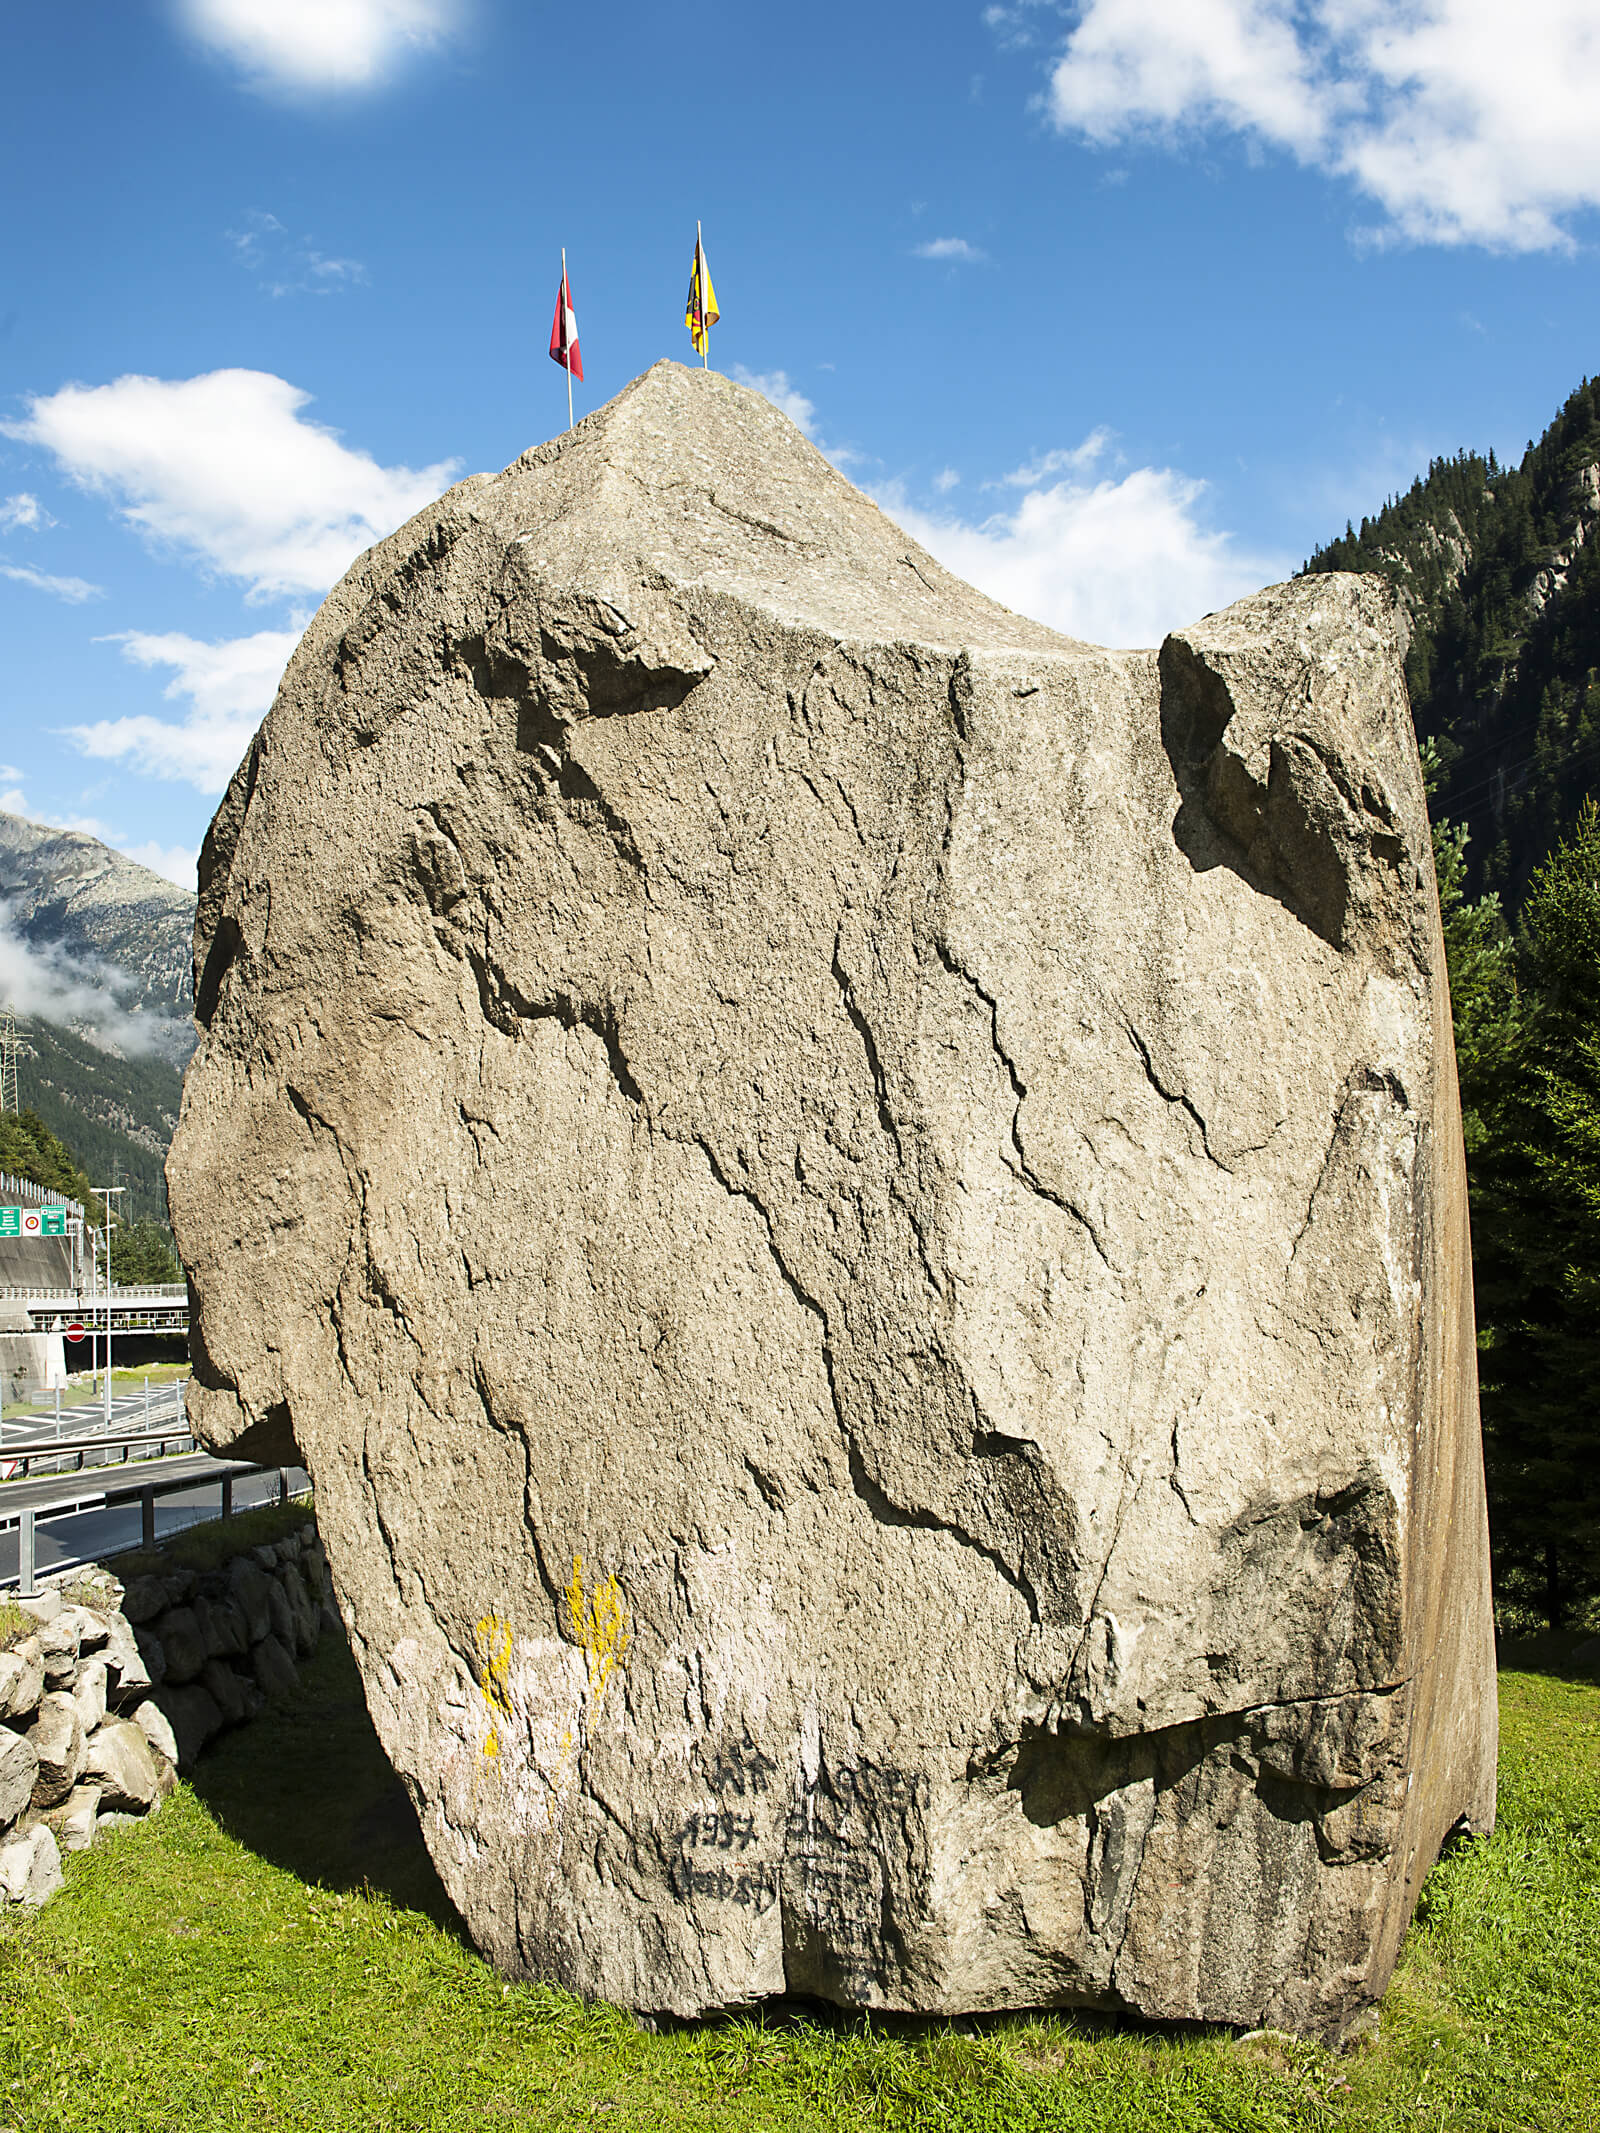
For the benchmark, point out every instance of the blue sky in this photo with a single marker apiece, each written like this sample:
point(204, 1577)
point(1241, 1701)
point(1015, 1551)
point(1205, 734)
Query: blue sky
point(1121, 306)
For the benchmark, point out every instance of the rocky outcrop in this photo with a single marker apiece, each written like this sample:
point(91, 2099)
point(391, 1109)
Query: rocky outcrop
point(858, 1211)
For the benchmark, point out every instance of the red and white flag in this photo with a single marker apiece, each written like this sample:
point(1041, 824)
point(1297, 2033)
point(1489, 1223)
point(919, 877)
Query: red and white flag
point(564, 332)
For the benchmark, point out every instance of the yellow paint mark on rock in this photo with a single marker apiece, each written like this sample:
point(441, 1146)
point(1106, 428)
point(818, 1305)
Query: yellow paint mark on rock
point(495, 1643)
point(600, 1624)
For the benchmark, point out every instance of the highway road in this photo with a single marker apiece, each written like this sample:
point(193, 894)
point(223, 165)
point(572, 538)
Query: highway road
point(96, 1530)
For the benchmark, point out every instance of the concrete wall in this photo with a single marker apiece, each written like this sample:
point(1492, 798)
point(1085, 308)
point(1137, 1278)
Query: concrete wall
point(35, 1262)
point(30, 1363)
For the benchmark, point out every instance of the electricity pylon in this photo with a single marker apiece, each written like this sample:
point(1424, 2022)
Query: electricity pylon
point(8, 1061)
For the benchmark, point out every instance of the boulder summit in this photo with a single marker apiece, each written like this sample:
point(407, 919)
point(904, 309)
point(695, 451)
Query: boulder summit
point(858, 1211)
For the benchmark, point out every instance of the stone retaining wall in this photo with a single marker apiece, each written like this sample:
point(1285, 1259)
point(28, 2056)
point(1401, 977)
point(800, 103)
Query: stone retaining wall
point(118, 1688)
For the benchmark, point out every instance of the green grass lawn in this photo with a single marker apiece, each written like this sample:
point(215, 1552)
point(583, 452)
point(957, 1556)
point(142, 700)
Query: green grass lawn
point(274, 1951)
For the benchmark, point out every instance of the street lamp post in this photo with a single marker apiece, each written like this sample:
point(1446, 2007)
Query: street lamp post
point(107, 1194)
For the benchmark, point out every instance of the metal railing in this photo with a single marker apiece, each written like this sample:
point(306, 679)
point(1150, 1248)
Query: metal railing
point(162, 1292)
point(75, 1450)
point(31, 1195)
point(144, 1492)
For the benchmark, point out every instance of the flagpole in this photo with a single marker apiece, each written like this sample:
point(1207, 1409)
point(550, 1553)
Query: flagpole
point(700, 284)
point(566, 307)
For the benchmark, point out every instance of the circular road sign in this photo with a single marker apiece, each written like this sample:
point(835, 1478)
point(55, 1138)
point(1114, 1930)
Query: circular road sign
point(74, 1332)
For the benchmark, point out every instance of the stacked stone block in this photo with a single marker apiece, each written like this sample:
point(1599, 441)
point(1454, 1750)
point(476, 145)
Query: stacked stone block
point(113, 1690)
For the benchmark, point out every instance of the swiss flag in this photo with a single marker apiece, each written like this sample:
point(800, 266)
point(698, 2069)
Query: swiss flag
point(564, 333)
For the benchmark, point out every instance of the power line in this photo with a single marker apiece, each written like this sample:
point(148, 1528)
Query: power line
point(1471, 795)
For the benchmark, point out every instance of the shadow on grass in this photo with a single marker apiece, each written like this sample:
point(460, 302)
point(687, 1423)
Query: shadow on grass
point(307, 1787)
point(1552, 1652)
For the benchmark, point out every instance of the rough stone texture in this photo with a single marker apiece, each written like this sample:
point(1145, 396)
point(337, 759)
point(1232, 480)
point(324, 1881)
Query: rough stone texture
point(251, 1590)
point(127, 1653)
point(302, 1615)
point(225, 1689)
point(275, 1671)
point(74, 1821)
point(183, 1644)
point(89, 1629)
point(89, 1695)
point(56, 1737)
point(30, 1867)
point(282, 1614)
point(151, 1655)
point(19, 1772)
point(58, 1647)
point(156, 1727)
point(21, 1678)
point(120, 1761)
point(858, 1211)
point(144, 1599)
point(193, 1717)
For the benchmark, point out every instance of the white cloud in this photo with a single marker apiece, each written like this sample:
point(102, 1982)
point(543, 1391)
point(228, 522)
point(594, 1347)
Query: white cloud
point(173, 862)
point(1467, 121)
point(1073, 460)
point(230, 687)
point(946, 479)
point(775, 385)
point(19, 511)
point(955, 249)
point(57, 988)
point(320, 45)
point(291, 266)
point(73, 590)
point(1116, 562)
point(225, 468)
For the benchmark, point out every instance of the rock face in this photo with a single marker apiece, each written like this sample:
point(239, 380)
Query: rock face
point(858, 1211)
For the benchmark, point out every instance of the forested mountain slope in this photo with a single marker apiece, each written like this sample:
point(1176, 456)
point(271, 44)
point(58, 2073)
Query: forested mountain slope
point(95, 961)
point(1500, 569)
point(118, 1115)
point(93, 915)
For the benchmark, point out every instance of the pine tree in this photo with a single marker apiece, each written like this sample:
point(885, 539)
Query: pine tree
point(142, 1255)
point(1536, 1215)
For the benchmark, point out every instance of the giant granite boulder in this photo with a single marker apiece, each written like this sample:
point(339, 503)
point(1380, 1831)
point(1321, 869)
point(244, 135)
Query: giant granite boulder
point(858, 1211)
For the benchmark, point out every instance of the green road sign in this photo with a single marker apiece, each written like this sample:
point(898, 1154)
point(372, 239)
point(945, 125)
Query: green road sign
point(33, 1222)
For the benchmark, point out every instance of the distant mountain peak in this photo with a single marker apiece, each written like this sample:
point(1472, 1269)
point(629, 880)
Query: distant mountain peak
point(79, 902)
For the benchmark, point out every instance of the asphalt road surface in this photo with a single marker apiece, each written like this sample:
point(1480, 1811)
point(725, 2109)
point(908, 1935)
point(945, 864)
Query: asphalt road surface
point(85, 1419)
point(97, 1530)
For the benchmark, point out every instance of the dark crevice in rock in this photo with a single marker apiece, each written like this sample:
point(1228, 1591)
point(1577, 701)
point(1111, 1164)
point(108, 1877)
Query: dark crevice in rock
point(889, 1513)
point(761, 525)
point(1017, 1160)
point(509, 1010)
point(863, 1030)
point(871, 1492)
point(221, 955)
point(1169, 1096)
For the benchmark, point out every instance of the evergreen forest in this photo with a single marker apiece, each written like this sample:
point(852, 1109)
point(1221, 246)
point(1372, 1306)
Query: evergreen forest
point(141, 1248)
point(1498, 569)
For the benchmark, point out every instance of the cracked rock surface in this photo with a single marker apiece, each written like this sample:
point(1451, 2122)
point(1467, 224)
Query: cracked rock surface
point(857, 1209)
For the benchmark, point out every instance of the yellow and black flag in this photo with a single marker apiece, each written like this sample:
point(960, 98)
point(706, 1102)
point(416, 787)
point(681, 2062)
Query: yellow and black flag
point(702, 313)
